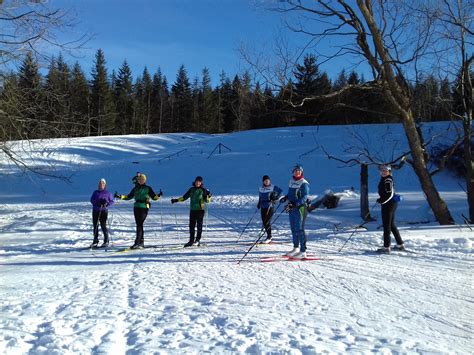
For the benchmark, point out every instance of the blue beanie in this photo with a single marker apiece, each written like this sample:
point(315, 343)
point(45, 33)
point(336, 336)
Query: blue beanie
point(297, 167)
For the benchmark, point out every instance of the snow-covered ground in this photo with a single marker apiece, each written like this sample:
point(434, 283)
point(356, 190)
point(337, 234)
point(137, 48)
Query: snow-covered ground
point(58, 297)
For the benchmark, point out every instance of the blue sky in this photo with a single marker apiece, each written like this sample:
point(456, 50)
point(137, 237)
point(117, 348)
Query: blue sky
point(196, 33)
point(169, 33)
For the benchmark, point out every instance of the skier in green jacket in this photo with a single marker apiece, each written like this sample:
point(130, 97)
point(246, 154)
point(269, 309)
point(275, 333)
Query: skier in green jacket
point(142, 194)
point(199, 196)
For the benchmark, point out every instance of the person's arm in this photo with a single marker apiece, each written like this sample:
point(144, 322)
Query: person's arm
point(388, 191)
point(94, 199)
point(206, 195)
point(304, 195)
point(153, 195)
point(276, 193)
point(110, 199)
point(185, 196)
point(130, 195)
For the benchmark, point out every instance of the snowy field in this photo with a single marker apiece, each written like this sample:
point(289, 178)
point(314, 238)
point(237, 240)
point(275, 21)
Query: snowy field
point(58, 297)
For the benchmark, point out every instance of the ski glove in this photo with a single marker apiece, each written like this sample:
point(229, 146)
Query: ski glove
point(288, 207)
point(103, 202)
point(174, 200)
point(273, 196)
point(160, 193)
point(116, 195)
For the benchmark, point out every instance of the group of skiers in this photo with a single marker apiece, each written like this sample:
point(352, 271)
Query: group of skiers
point(297, 207)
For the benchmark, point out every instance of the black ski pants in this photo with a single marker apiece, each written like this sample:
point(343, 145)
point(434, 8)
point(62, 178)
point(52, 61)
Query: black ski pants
point(266, 214)
point(388, 220)
point(140, 216)
point(195, 217)
point(100, 216)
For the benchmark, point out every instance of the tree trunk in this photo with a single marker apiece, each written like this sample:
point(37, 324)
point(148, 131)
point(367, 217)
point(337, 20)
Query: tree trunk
point(437, 204)
point(469, 168)
point(364, 192)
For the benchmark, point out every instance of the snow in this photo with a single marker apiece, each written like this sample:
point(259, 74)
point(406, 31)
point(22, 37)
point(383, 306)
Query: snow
point(57, 297)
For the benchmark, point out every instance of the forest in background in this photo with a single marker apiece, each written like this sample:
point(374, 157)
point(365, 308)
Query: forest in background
point(66, 102)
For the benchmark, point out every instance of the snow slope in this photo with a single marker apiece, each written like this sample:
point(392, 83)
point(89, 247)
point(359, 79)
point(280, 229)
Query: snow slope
point(57, 297)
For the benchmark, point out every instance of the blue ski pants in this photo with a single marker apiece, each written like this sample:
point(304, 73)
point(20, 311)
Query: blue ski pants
point(297, 219)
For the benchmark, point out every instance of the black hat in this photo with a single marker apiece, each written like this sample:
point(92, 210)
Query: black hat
point(265, 177)
point(198, 178)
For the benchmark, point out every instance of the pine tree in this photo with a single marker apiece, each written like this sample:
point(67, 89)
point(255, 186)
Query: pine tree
point(147, 98)
point(232, 104)
point(102, 113)
point(139, 107)
point(310, 82)
point(11, 115)
point(161, 120)
point(182, 103)
point(270, 108)
point(123, 98)
point(306, 76)
point(196, 124)
point(257, 108)
point(79, 93)
point(57, 99)
point(341, 81)
point(353, 79)
point(244, 102)
point(207, 107)
point(221, 94)
point(30, 100)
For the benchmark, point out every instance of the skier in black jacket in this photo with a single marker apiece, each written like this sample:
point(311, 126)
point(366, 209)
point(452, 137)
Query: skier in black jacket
point(389, 206)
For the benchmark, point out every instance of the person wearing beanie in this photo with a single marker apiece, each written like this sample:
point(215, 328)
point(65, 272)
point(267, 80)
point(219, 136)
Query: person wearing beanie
point(199, 195)
point(267, 195)
point(387, 200)
point(101, 199)
point(142, 194)
point(297, 195)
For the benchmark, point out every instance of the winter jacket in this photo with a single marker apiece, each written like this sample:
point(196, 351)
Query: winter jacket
point(142, 195)
point(298, 192)
point(386, 189)
point(101, 200)
point(198, 195)
point(267, 194)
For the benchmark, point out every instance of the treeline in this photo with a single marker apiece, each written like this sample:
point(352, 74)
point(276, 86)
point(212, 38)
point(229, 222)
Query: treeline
point(65, 103)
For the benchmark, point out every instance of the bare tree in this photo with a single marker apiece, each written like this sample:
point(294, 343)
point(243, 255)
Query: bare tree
point(26, 28)
point(457, 30)
point(393, 40)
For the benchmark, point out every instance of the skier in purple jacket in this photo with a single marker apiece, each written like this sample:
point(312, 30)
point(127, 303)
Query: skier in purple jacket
point(101, 199)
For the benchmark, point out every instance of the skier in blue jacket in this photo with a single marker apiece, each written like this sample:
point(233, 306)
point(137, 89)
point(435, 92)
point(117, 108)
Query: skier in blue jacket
point(268, 194)
point(297, 195)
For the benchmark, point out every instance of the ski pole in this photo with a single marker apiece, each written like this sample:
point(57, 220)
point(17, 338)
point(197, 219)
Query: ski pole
point(250, 220)
point(175, 218)
point(262, 230)
point(110, 222)
point(359, 226)
point(161, 216)
point(206, 208)
point(260, 237)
